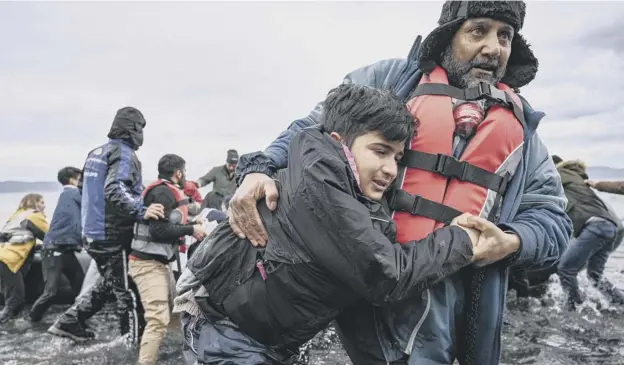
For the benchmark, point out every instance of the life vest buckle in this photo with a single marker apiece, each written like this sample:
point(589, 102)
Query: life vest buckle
point(449, 166)
point(489, 92)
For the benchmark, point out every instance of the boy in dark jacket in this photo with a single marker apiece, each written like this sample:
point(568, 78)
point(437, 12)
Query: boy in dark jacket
point(331, 243)
point(61, 243)
point(597, 232)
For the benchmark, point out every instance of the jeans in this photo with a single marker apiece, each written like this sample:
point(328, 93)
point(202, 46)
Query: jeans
point(592, 249)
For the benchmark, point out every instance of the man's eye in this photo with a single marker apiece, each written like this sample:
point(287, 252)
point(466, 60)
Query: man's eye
point(380, 152)
point(506, 36)
point(478, 31)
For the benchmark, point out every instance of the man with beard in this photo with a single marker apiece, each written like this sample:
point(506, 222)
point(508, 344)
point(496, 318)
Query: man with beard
point(111, 204)
point(155, 245)
point(476, 152)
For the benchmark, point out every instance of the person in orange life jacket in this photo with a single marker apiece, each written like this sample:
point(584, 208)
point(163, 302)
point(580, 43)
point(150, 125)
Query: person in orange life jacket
point(191, 190)
point(598, 232)
point(483, 157)
point(17, 241)
point(331, 244)
point(154, 246)
point(63, 240)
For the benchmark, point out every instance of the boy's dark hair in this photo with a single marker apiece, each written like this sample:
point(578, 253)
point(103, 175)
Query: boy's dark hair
point(169, 164)
point(353, 110)
point(66, 173)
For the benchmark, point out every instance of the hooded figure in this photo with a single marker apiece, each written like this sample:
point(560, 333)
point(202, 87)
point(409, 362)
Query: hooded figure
point(128, 126)
point(111, 203)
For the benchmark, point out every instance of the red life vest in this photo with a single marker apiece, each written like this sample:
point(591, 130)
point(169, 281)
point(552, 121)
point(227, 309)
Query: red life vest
point(433, 187)
point(182, 200)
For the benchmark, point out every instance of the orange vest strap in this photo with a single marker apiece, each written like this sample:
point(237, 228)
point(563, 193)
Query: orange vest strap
point(401, 201)
point(449, 166)
point(482, 91)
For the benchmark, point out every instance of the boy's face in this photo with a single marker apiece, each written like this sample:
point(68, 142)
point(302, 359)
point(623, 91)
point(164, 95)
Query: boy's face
point(376, 160)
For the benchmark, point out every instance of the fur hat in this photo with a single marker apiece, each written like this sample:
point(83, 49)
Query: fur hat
point(522, 65)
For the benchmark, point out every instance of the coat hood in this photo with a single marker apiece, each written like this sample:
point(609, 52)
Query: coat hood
point(577, 167)
point(128, 126)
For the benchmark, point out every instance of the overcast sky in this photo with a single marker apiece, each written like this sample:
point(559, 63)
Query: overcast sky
point(214, 76)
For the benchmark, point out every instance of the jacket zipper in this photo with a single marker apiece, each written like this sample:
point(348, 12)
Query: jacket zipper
point(496, 350)
point(412, 338)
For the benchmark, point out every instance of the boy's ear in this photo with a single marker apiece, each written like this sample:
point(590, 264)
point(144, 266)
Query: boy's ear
point(336, 136)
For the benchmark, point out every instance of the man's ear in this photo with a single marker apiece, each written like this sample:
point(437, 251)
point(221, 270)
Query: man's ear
point(336, 136)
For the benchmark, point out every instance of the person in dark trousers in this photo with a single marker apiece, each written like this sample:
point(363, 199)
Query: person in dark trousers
point(18, 237)
point(332, 243)
point(63, 240)
point(597, 232)
point(223, 179)
point(111, 204)
point(155, 245)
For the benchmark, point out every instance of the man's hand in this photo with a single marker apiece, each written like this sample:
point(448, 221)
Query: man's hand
point(200, 220)
point(199, 233)
point(154, 211)
point(243, 214)
point(591, 183)
point(472, 233)
point(493, 244)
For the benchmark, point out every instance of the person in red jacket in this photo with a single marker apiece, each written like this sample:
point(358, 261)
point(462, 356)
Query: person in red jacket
point(191, 190)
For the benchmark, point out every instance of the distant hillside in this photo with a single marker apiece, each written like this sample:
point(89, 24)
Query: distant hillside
point(26, 187)
point(602, 172)
point(595, 172)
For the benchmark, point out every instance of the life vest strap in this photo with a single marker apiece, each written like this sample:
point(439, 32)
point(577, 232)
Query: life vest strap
point(482, 91)
point(402, 201)
point(182, 202)
point(449, 166)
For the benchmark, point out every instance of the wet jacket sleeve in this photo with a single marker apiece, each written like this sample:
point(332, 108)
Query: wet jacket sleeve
point(162, 230)
point(37, 224)
point(339, 234)
point(119, 182)
point(381, 75)
point(208, 178)
point(612, 187)
point(541, 222)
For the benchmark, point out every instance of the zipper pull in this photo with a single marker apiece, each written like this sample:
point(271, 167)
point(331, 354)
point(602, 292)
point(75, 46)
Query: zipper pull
point(260, 266)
